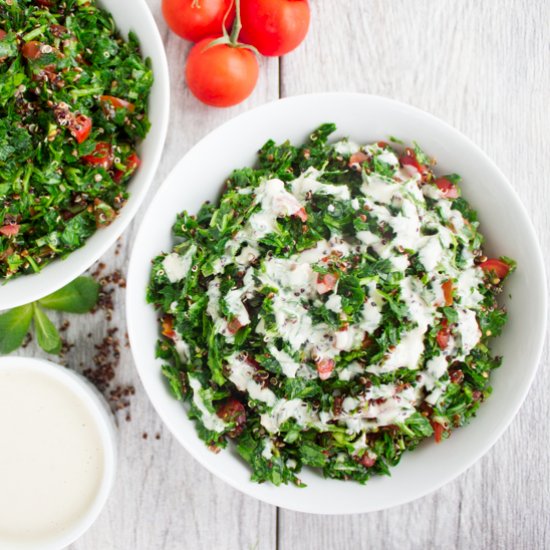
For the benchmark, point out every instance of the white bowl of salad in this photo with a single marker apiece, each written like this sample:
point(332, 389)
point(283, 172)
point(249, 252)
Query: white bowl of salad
point(73, 177)
point(341, 329)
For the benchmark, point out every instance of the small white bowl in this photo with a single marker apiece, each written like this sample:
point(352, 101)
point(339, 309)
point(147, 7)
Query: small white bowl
point(129, 15)
point(99, 411)
point(504, 222)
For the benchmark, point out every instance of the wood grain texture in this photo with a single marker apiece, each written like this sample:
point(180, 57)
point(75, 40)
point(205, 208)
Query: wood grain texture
point(482, 66)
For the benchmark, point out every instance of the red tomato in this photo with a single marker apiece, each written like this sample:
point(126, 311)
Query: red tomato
point(438, 430)
point(3, 33)
point(357, 159)
point(325, 368)
point(498, 267)
point(409, 159)
point(443, 335)
point(367, 461)
point(325, 283)
point(274, 27)
point(456, 376)
point(168, 327)
point(222, 75)
point(102, 156)
point(118, 103)
point(447, 188)
point(31, 50)
point(234, 325)
point(302, 214)
point(9, 230)
point(132, 164)
point(197, 19)
point(232, 410)
point(447, 288)
point(80, 127)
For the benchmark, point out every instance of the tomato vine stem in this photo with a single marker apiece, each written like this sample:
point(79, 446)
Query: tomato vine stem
point(232, 39)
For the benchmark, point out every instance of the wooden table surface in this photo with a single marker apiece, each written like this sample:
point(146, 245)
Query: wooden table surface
point(482, 66)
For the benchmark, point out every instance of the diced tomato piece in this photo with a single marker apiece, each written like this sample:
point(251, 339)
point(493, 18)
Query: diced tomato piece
point(367, 461)
point(496, 266)
point(80, 127)
point(438, 430)
point(409, 159)
point(456, 376)
point(3, 33)
point(101, 156)
point(326, 282)
point(234, 325)
point(357, 159)
point(251, 361)
point(132, 164)
point(31, 50)
point(382, 144)
point(118, 103)
point(9, 230)
point(448, 189)
point(168, 327)
point(302, 214)
point(443, 335)
point(233, 411)
point(325, 368)
point(447, 288)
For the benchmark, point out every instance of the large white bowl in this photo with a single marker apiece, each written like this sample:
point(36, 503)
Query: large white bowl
point(505, 223)
point(129, 15)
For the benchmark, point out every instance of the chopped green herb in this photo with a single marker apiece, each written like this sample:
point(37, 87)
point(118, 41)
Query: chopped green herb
point(73, 108)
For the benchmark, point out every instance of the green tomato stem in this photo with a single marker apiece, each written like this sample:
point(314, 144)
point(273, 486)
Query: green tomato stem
point(237, 25)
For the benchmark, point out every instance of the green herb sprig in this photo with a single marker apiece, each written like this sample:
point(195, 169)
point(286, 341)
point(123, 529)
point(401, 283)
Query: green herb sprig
point(79, 296)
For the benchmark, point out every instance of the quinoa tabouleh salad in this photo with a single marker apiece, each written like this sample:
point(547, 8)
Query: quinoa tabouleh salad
point(332, 310)
point(73, 107)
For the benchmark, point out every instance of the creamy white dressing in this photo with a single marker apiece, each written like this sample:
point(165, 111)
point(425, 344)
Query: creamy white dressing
point(182, 347)
point(467, 330)
point(334, 303)
point(346, 147)
point(308, 182)
point(52, 459)
point(210, 420)
point(242, 375)
point(288, 365)
point(177, 267)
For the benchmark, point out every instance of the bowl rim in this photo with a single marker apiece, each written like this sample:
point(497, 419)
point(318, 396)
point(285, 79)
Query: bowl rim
point(32, 287)
point(132, 307)
point(98, 408)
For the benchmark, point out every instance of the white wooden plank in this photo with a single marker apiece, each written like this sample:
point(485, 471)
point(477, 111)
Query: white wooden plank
point(483, 67)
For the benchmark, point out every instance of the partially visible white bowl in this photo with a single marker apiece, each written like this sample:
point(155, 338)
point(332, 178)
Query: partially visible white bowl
point(505, 223)
point(129, 15)
point(98, 409)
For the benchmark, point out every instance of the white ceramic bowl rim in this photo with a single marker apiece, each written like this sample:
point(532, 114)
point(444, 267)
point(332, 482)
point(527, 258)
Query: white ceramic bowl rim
point(104, 420)
point(484, 430)
point(129, 15)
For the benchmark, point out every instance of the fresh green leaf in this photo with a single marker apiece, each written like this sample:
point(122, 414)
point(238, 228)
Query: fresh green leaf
point(14, 325)
point(46, 333)
point(79, 296)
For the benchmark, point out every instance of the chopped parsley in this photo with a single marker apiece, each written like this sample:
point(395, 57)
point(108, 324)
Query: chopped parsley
point(73, 107)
